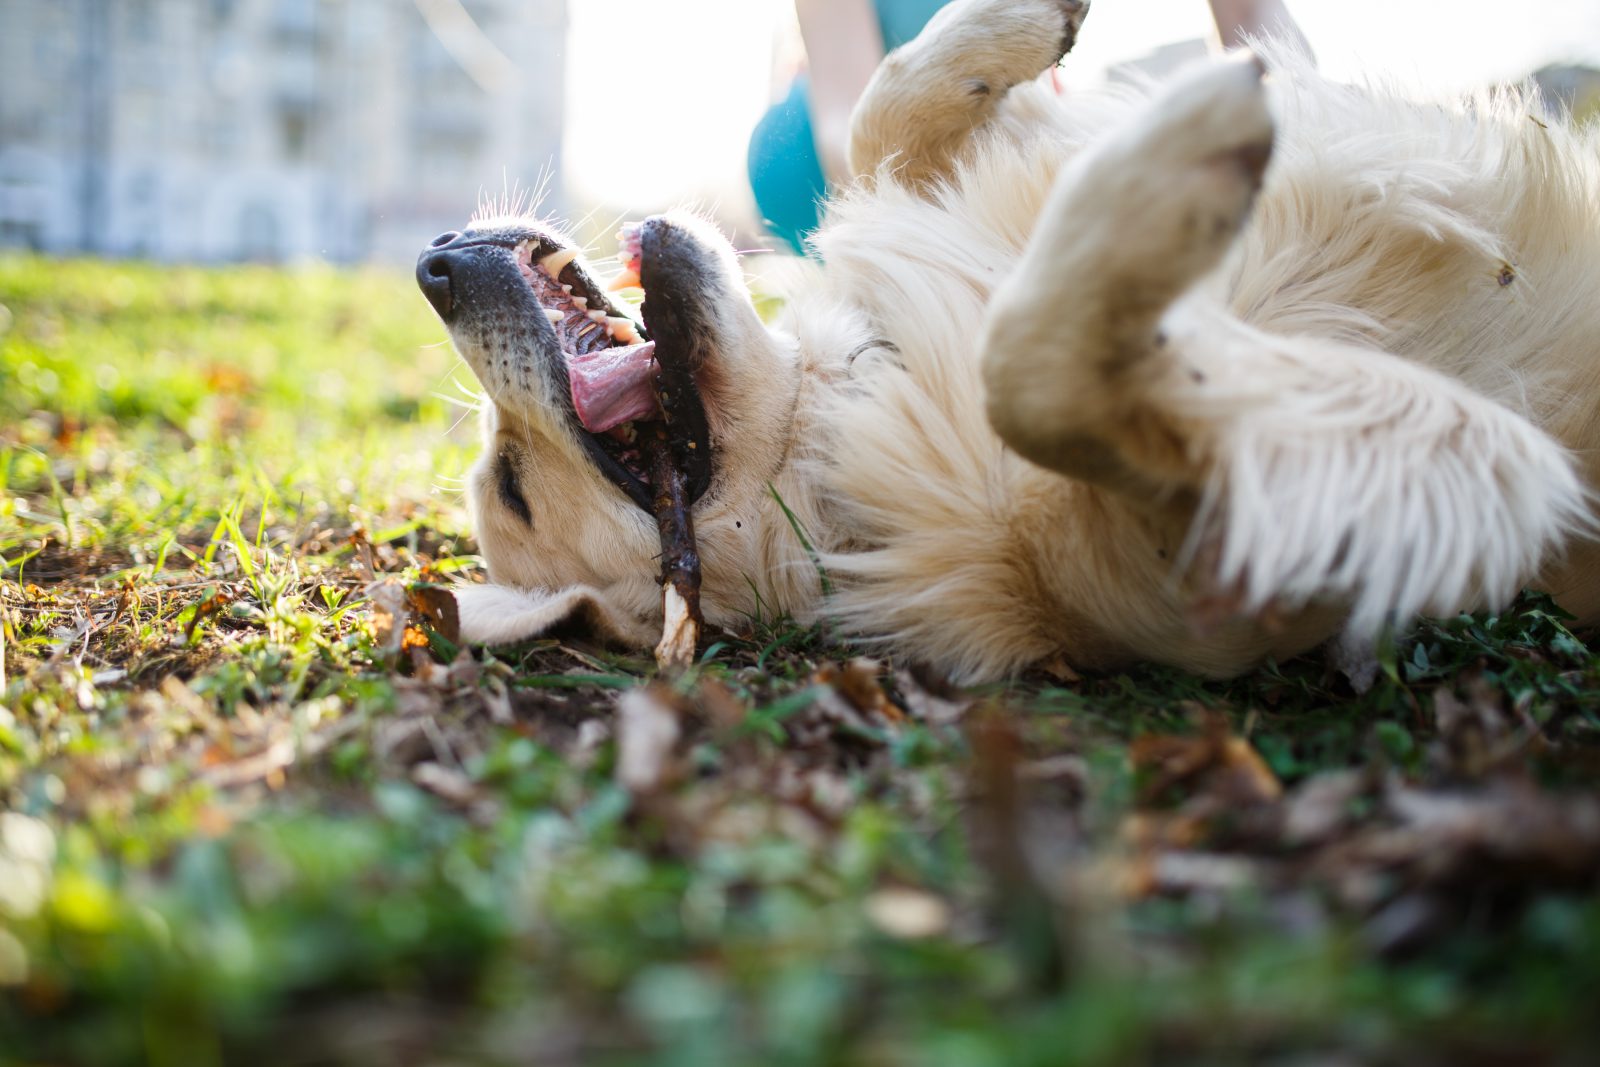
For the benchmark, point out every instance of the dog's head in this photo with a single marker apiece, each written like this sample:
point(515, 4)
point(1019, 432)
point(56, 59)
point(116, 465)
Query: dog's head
point(562, 496)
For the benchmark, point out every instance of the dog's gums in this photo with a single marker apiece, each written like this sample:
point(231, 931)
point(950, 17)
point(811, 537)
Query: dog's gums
point(620, 392)
point(610, 368)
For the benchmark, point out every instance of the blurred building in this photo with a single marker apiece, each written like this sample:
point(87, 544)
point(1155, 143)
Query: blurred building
point(270, 129)
point(1570, 87)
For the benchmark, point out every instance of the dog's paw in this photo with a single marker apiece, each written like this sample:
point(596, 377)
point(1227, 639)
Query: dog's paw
point(1216, 116)
point(1171, 191)
point(1072, 16)
point(993, 45)
point(1062, 18)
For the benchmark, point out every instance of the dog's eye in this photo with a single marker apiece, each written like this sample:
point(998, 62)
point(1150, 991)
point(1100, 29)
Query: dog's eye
point(511, 489)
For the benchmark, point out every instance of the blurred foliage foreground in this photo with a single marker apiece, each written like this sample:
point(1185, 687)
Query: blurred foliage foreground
point(255, 807)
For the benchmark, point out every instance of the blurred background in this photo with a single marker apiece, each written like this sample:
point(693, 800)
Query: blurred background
point(354, 130)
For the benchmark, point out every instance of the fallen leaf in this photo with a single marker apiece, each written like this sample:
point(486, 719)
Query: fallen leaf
point(414, 639)
point(1321, 806)
point(910, 914)
point(388, 599)
point(443, 782)
point(1060, 670)
point(927, 705)
point(847, 696)
point(647, 731)
point(1214, 761)
point(267, 765)
point(437, 605)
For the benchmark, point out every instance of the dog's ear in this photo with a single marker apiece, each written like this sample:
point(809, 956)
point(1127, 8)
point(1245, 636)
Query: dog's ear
point(501, 615)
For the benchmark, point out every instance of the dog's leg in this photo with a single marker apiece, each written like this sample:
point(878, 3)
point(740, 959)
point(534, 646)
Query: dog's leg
point(927, 96)
point(1306, 470)
point(1074, 336)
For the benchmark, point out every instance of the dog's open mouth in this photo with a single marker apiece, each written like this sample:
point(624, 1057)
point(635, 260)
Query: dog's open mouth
point(638, 405)
point(611, 368)
point(629, 390)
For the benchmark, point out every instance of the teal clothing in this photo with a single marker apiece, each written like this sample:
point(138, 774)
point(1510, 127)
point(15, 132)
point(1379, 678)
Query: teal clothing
point(785, 172)
point(901, 20)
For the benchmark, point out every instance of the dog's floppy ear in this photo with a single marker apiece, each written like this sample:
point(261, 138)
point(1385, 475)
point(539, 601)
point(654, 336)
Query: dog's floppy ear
point(501, 615)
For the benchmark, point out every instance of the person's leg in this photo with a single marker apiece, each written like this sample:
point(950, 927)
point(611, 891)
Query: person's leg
point(1237, 19)
point(785, 174)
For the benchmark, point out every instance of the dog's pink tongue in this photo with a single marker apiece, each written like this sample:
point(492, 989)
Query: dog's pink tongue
point(610, 386)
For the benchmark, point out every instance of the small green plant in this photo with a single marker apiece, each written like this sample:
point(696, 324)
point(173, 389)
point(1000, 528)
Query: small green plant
point(250, 814)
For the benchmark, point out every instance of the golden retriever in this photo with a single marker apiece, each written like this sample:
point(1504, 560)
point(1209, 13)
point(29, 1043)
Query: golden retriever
point(1202, 373)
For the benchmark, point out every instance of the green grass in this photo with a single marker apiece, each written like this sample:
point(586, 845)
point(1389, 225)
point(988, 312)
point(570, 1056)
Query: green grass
point(235, 826)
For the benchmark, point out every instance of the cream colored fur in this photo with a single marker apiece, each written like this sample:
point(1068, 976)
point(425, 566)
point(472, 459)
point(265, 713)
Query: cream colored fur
point(1074, 378)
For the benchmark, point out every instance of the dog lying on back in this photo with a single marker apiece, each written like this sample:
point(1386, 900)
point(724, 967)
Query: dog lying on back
point(1120, 377)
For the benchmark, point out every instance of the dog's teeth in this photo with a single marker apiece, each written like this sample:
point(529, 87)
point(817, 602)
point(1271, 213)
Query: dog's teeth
point(597, 315)
point(553, 315)
point(623, 330)
point(581, 301)
point(567, 289)
point(557, 261)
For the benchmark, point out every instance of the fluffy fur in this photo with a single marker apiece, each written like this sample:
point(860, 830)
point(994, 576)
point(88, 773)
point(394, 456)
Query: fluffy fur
point(1075, 377)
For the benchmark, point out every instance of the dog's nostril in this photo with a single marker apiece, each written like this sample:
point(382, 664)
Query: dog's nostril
point(433, 278)
point(444, 239)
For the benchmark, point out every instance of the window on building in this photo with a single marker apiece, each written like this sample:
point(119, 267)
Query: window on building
point(142, 21)
point(295, 18)
point(18, 234)
point(294, 133)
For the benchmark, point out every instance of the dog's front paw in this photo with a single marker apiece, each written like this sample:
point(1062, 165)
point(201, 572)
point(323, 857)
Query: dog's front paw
point(996, 44)
point(1072, 14)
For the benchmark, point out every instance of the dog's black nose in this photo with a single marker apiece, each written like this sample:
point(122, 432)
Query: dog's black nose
point(434, 268)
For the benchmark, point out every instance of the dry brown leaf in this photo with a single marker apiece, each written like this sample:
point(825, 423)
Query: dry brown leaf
point(1321, 807)
point(496, 697)
point(414, 638)
point(719, 704)
point(1060, 670)
point(854, 695)
point(1481, 734)
point(437, 606)
point(445, 783)
point(206, 609)
point(1213, 761)
point(388, 615)
point(1202, 872)
point(926, 705)
point(267, 765)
